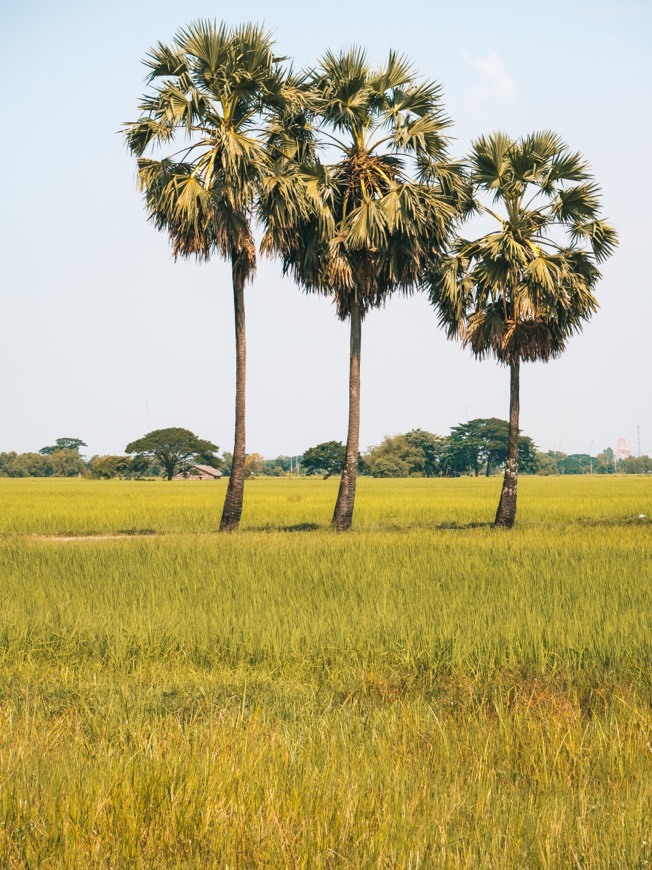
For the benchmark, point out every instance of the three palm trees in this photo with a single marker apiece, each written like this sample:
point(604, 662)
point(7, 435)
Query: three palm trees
point(372, 218)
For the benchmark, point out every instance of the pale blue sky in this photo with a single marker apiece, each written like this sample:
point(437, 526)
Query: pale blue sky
point(105, 336)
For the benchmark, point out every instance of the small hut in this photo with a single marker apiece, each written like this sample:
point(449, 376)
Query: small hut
point(199, 472)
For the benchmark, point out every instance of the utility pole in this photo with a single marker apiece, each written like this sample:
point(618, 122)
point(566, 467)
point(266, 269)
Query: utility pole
point(638, 438)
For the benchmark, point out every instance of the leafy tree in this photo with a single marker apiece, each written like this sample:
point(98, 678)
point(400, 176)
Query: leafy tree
point(368, 221)
point(212, 87)
point(254, 464)
point(278, 467)
point(66, 463)
point(6, 462)
point(434, 449)
point(273, 468)
point(63, 462)
point(142, 466)
point(466, 448)
point(528, 455)
point(551, 462)
point(483, 443)
point(605, 462)
point(171, 447)
point(63, 444)
point(326, 458)
point(521, 291)
point(25, 464)
point(395, 456)
point(209, 457)
point(576, 463)
point(107, 467)
point(635, 465)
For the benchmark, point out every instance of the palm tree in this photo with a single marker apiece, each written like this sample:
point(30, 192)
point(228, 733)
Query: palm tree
point(213, 88)
point(367, 222)
point(520, 292)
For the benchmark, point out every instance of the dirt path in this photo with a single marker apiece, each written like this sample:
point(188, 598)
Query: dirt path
point(117, 537)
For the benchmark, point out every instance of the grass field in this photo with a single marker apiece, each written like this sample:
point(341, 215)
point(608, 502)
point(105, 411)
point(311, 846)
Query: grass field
point(421, 692)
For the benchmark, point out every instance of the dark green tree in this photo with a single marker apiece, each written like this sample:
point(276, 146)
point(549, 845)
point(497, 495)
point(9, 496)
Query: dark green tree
point(67, 463)
point(550, 462)
point(276, 467)
point(25, 465)
point(635, 465)
point(605, 461)
point(466, 448)
point(63, 444)
point(483, 443)
point(326, 458)
point(434, 449)
point(171, 447)
point(395, 456)
point(519, 292)
point(576, 463)
point(107, 467)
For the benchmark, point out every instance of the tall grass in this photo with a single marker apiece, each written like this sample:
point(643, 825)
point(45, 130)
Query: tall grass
point(422, 692)
point(64, 506)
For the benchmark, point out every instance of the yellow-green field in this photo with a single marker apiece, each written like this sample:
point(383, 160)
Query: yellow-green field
point(421, 692)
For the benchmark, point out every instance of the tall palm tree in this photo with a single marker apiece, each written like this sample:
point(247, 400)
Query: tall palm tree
point(211, 92)
point(375, 212)
point(522, 290)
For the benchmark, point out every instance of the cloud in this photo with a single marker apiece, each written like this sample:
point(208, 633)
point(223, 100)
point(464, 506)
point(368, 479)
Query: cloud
point(496, 82)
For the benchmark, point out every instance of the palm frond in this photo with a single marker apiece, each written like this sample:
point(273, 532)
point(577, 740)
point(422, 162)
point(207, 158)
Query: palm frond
point(490, 161)
point(576, 204)
point(602, 237)
point(165, 61)
point(397, 73)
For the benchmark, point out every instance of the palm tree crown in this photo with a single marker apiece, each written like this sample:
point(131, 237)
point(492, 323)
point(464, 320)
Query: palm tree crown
point(382, 202)
point(212, 87)
point(522, 290)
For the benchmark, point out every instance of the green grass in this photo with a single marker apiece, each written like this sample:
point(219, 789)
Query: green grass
point(63, 506)
point(424, 691)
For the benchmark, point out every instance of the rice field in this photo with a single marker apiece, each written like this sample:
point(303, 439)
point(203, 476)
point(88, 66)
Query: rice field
point(421, 692)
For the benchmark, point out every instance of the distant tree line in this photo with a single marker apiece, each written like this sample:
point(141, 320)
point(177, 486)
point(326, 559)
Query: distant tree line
point(477, 447)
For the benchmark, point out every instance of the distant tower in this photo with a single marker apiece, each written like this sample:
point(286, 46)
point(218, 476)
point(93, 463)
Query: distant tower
point(638, 437)
point(622, 451)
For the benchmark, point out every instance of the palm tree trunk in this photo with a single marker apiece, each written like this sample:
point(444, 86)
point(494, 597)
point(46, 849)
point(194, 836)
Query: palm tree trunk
point(343, 514)
point(506, 513)
point(235, 491)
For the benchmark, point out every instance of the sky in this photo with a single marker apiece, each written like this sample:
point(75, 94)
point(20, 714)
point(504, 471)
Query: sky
point(105, 337)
